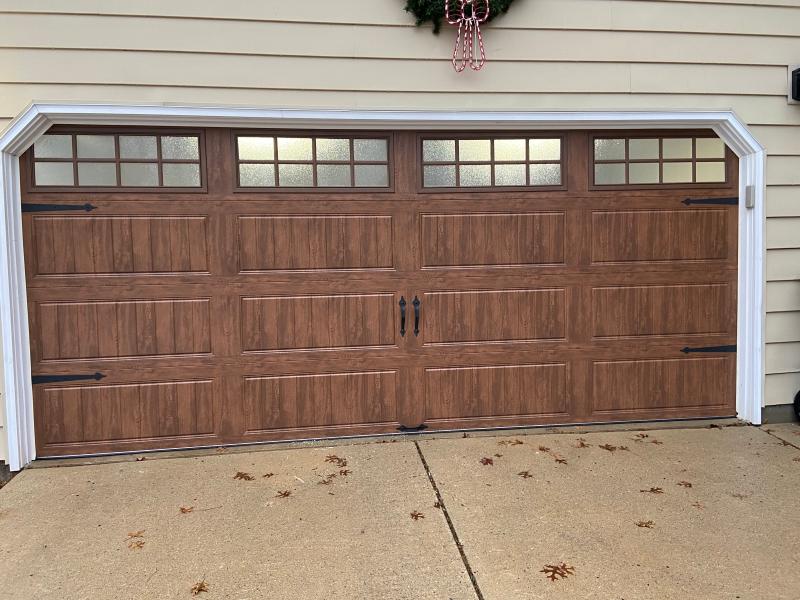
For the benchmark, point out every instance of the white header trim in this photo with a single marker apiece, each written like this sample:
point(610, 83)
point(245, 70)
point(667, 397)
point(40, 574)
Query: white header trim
point(37, 118)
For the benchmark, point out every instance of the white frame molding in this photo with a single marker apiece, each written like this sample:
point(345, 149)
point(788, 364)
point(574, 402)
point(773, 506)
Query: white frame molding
point(37, 118)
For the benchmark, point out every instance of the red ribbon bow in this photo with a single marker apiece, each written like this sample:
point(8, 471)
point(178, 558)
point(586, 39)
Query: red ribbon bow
point(468, 15)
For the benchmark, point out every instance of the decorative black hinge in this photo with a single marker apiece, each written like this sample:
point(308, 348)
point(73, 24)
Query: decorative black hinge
point(57, 207)
point(709, 349)
point(418, 428)
point(715, 201)
point(61, 378)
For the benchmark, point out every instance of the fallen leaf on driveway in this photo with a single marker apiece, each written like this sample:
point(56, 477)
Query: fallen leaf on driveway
point(485, 461)
point(186, 509)
point(656, 442)
point(645, 524)
point(136, 534)
point(685, 484)
point(608, 447)
point(513, 442)
point(653, 490)
point(339, 462)
point(581, 443)
point(525, 474)
point(199, 587)
point(283, 494)
point(416, 515)
point(641, 436)
point(698, 505)
point(268, 475)
point(344, 472)
point(544, 449)
point(559, 571)
point(243, 476)
point(136, 544)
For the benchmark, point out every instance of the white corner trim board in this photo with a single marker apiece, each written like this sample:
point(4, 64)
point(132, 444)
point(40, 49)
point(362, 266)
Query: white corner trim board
point(37, 118)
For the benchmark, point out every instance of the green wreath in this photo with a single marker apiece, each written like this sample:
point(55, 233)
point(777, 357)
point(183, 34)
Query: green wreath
point(433, 10)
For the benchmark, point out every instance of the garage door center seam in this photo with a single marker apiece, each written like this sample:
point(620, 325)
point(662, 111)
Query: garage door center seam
point(447, 518)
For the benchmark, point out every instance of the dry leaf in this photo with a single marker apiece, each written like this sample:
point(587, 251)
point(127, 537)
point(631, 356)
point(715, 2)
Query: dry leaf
point(581, 443)
point(514, 442)
point(345, 472)
point(268, 475)
point(498, 456)
point(141, 458)
point(685, 484)
point(136, 534)
point(186, 509)
point(221, 450)
point(199, 587)
point(437, 504)
point(559, 571)
point(485, 461)
point(698, 505)
point(525, 474)
point(136, 544)
point(624, 448)
point(656, 442)
point(645, 524)
point(243, 476)
point(283, 494)
point(641, 436)
point(740, 496)
point(653, 490)
point(544, 449)
point(559, 459)
point(416, 515)
point(609, 447)
point(339, 462)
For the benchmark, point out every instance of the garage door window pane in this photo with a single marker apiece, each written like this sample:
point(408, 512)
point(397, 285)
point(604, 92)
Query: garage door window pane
point(710, 148)
point(440, 176)
point(545, 174)
point(710, 172)
point(97, 174)
point(372, 175)
point(96, 146)
point(476, 175)
point(139, 174)
point(295, 175)
point(643, 173)
point(506, 175)
point(294, 149)
point(53, 146)
point(609, 174)
point(678, 172)
point(181, 175)
point(180, 148)
point(138, 146)
point(646, 148)
point(677, 148)
point(609, 149)
point(54, 173)
point(470, 150)
point(257, 175)
point(370, 150)
point(545, 149)
point(506, 150)
point(256, 148)
point(333, 149)
point(333, 175)
point(438, 150)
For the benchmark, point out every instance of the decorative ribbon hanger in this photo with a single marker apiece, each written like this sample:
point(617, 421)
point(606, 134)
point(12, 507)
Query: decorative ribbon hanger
point(468, 15)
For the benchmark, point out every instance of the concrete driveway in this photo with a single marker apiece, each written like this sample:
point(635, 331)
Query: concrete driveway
point(672, 513)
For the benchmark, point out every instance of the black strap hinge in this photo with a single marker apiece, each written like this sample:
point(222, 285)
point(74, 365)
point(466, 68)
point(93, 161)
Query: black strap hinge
point(62, 378)
point(713, 201)
point(709, 349)
point(418, 428)
point(57, 207)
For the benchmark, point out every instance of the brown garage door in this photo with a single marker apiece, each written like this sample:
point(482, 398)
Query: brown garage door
point(201, 287)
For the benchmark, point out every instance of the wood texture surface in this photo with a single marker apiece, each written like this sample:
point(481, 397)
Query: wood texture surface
point(229, 316)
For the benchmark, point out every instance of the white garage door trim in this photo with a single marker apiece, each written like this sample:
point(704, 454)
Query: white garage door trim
point(37, 118)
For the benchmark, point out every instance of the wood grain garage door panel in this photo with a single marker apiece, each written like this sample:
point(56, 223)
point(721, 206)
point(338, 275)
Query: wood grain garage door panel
point(493, 316)
point(141, 328)
point(321, 400)
point(492, 239)
point(661, 310)
point(641, 385)
point(114, 413)
point(508, 390)
point(317, 322)
point(659, 235)
point(120, 245)
point(315, 242)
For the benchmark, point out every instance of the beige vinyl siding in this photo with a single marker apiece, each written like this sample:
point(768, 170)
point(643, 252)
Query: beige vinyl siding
point(543, 55)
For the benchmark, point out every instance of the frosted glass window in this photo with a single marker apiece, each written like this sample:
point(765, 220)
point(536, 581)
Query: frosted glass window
point(476, 175)
point(333, 175)
point(181, 175)
point(643, 173)
point(609, 149)
point(294, 149)
point(710, 172)
point(54, 173)
point(256, 148)
point(710, 148)
point(370, 150)
point(333, 149)
point(295, 175)
point(439, 151)
point(96, 146)
point(645, 148)
point(509, 150)
point(505, 175)
point(139, 174)
point(677, 147)
point(180, 148)
point(258, 175)
point(138, 147)
point(372, 175)
point(678, 172)
point(97, 174)
point(469, 150)
point(545, 174)
point(53, 146)
point(544, 149)
point(609, 174)
point(444, 176)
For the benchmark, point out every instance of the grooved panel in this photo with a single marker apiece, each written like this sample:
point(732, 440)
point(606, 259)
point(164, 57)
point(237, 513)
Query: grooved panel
point(493, 316)
point(120, 245)
point(126, 412)
point(327, 399)
point(492, 239)
point(496, 391)
point(659, 235)
point(140, 328)
point(661, 310)
point(637, 385)
point(317, 322)
point(315, 242)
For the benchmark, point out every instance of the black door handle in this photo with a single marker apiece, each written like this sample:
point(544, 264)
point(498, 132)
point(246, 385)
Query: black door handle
point(416, 304)
point(402, 316)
